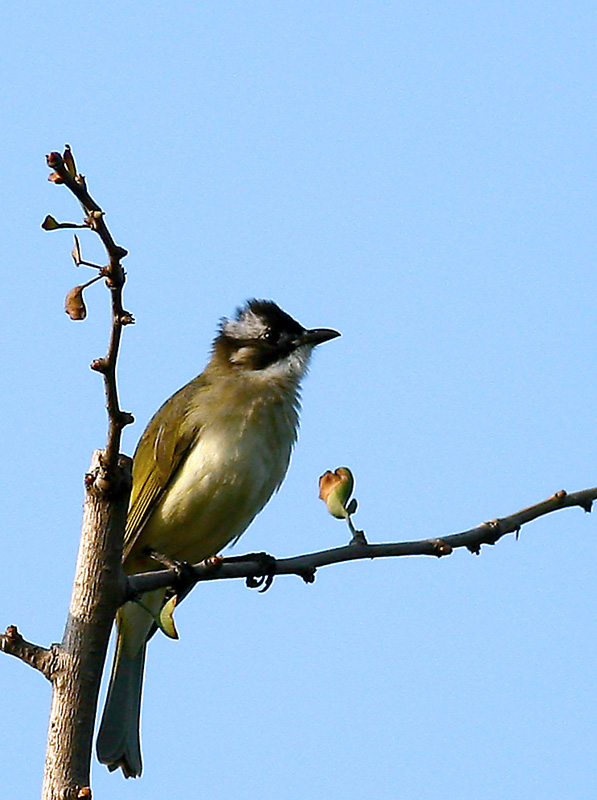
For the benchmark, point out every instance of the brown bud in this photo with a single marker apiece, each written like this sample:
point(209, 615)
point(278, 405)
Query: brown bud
point(99, 365)
point(442, 548)
point(12, 633)
point(55, 178)
point(126, 418)
point(74, 305)
point(53, 159)
point(334, 489)
point(50, 224)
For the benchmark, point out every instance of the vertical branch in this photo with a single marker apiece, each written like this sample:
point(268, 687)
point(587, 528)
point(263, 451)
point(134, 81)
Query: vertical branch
point(117, 419)
point(99, 584)
point(65, 172)
point(97, 591)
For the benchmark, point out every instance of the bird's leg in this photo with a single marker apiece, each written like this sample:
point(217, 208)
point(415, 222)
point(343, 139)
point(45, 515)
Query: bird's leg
point(186, 577)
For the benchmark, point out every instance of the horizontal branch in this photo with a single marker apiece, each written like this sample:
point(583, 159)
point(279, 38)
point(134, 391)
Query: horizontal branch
point(255, 565)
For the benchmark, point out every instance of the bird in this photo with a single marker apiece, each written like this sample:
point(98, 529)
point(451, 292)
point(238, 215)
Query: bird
point(207, 463)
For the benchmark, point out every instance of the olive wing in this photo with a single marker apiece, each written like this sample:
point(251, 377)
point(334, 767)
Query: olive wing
point(163, 446)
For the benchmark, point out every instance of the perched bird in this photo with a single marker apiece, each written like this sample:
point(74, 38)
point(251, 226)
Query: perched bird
point(207, 463)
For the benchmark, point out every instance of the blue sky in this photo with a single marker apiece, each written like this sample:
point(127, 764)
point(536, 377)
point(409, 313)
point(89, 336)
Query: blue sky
point(421, 177)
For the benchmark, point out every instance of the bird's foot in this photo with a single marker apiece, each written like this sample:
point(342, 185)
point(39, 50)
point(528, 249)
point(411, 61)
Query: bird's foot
point(264, 575)
point(186, 577)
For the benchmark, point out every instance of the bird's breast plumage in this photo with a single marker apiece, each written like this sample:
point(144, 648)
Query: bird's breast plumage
point(238, 460)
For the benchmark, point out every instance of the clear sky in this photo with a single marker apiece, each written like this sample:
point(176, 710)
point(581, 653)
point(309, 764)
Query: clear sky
point(420, 176)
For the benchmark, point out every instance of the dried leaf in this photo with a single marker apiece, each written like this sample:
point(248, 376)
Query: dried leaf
point(76, 252)
point(69, 160)
point(74, 305)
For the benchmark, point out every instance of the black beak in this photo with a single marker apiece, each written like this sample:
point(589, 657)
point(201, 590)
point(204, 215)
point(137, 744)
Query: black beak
point(318, 336)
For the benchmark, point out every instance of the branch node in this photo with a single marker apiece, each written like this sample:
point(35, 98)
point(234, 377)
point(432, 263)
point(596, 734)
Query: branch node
point(494, 531)
point(441, 547)
point(308, 574)
point(99, 365)
point(53, 159)
point(108, 480)
point(125, 418)
point(103, 482)
point(45, 660)
point(358, 539)
point(126, 318)
point(89, 479)
point(12, 634)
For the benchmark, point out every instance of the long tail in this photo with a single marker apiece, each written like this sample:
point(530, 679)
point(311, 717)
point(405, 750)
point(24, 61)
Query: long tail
point(118, 740)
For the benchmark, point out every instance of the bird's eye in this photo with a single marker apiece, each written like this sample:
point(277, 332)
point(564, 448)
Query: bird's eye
point(271, 336)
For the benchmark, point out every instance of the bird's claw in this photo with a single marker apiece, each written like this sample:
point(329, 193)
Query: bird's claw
point(261, 582)
point(186, 577)
point(264, 576)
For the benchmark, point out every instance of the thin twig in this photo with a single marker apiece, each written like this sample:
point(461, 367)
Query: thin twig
point(115, 278)
point(44, 659)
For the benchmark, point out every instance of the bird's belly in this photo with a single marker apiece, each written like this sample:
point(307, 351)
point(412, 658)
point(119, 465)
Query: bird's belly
point(215, 494)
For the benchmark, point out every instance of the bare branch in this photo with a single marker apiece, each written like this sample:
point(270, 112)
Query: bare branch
point(97, 590)
point(44, 659)
point(77, 185)
point(252, 565)
point(99, 583)
point(115, 278)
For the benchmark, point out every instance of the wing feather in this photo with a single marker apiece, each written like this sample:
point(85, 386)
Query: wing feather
point(170, 434)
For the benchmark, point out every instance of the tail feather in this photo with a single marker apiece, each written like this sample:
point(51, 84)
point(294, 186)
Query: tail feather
point(118, 741)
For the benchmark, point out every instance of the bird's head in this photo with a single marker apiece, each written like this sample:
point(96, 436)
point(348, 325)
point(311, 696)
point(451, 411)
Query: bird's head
point(262, 338)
